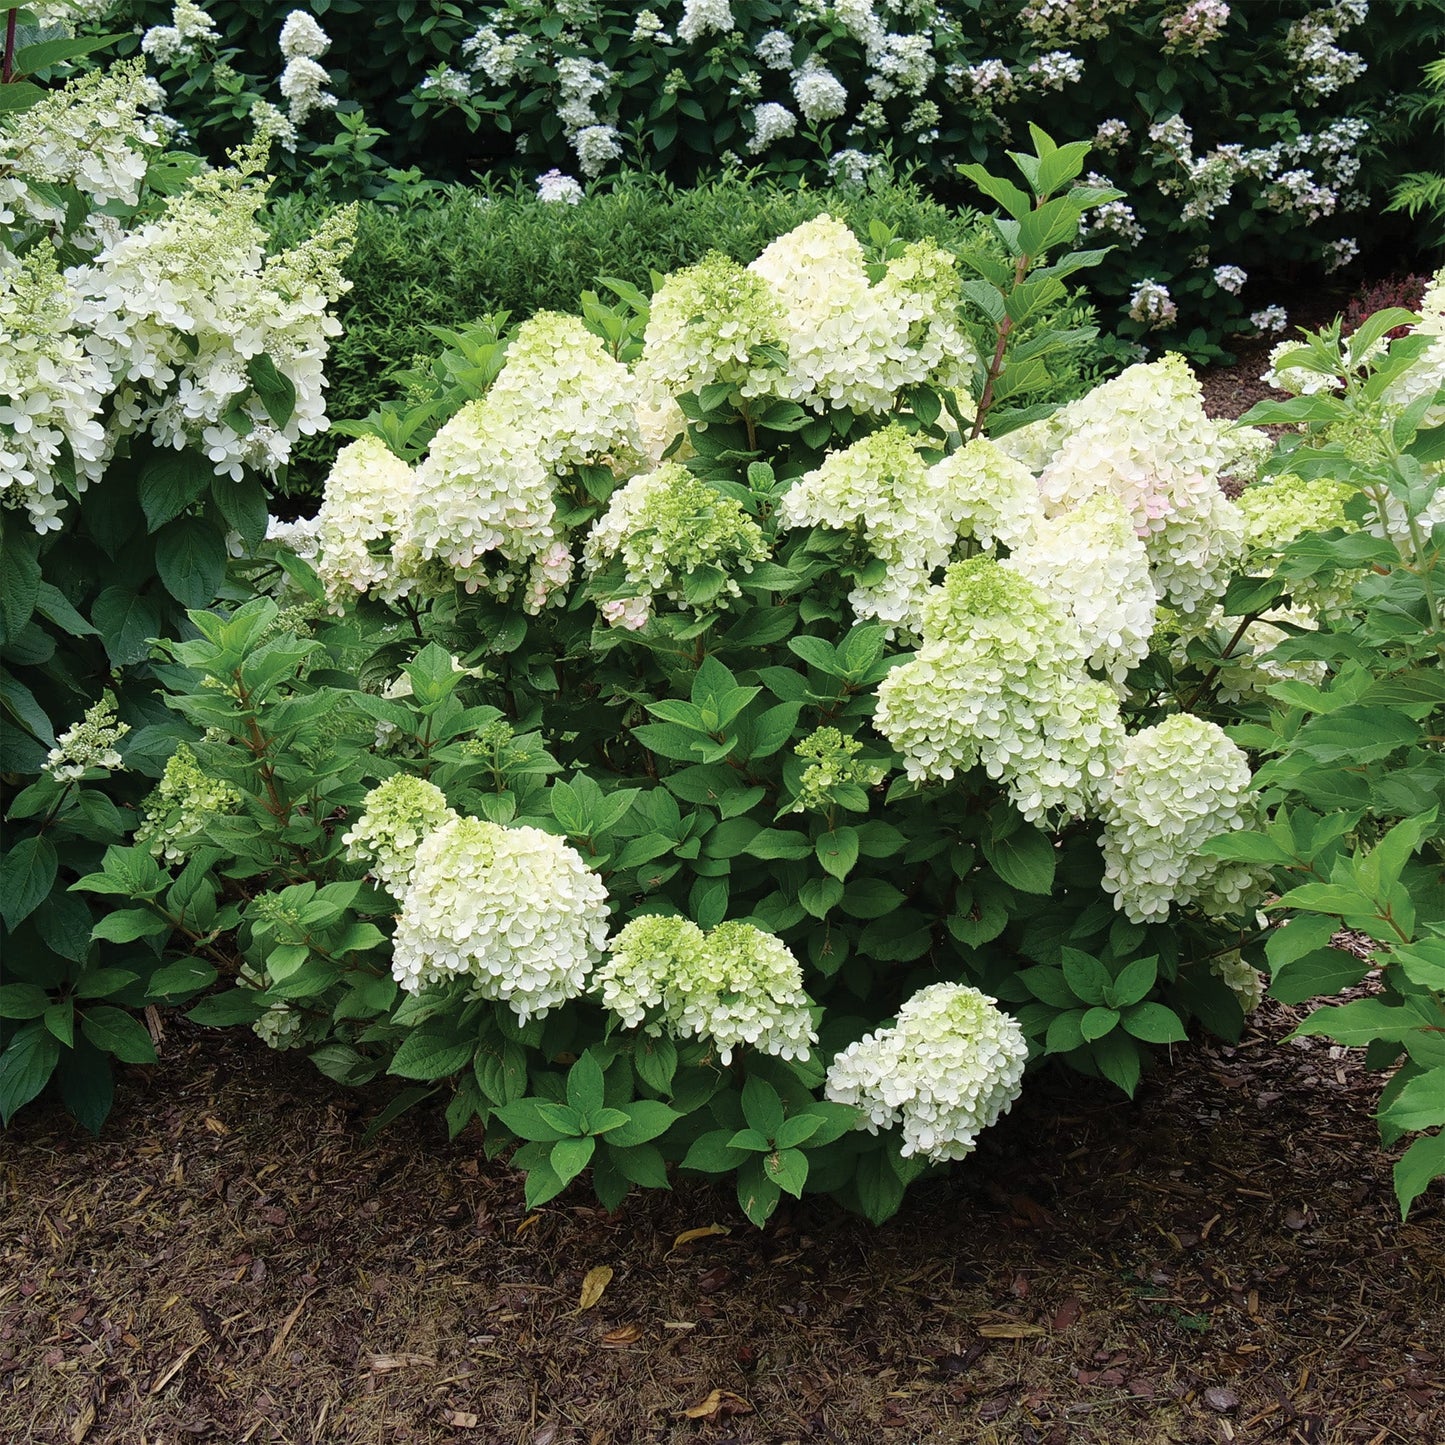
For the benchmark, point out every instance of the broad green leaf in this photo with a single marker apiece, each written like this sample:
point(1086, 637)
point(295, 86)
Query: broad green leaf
point(191, 560)
point(1135, 980)
point(838, 851)
point(1025, 859)
point(713, 1153)
point(647, 1119)
point(26, 1064)
point(1419, 1105)
point(113, 1031)
point(1097, 1022)
point(525, 1119)
point(426, 1056)
point(1154, 1023)
point(1360, 1022)
point(1118, 1059)
point(1421, 1163)
point(1319, 972)
point(570, 1157)
point(27, 874)
point(584, 1084)
point(788, 1169)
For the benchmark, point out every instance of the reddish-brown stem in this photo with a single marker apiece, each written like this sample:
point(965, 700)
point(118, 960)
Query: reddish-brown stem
point(9, 65)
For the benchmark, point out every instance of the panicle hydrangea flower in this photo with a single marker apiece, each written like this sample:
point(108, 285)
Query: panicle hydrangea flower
point(396, 816)
point(554, 186)
point(269, 125)
point(950, 1066)
point(90, 743)
point(1321, 66)
point(1173, 787)
point(301, 537)
point(833, 765)
point(495, 55)
point(597, 146)
point(1338, 254)
point(365, 509)
point(775, 50)
point(96, 133)
point(991, 497)
point(663, 526)
point(649, 26)
point(1151, 305)
point(850, 169)
point(181, 805)
point(303, 87)
point(514, 911)
point(302, 37)
point(771, 122)
point(999, 679)
point(1243, 980)
point(1066, 20)
point(190, 28)
point(1055, 70)
point(819, 93)
point(706, 324)
point(1278, 512)
point(1093, 561)
point(1271, 318)
point(483, 502)
point(179, 307)
point(735, 985)
point(1145, 436)
point(564, 391)
point(882, 490)
point(900, 64)
point(703, 17)
point(855, 344)
point(52, 393)
point(1111, 135)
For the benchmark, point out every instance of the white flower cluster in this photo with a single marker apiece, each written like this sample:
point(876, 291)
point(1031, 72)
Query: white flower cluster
point(775, 50)
point(1278, 512)
point(912, 516)
point(365, 511)
point(1051, 21)
point(1093, 562)
point(514, 911)
point(1144, 435)
point(396, 816)
point(90, 743)
point(952, 1065)
point(771, 122)
point(988, 84)
point(707, 324)
point(819, 93)
point(483, 500)
point(1113, 217)
point(96, 134)
point(180, 806)
point(1320, 66)
point(999, 679)
point(1230, 278)
point(181, 40)
point(1055, 69)
point(1199, 24)
point(851, 168)
point(1269, 319)
point(1151, 305)
point(1112, 135)
point(303, 79)
point(703, 17)
point(302, 36)
point(735, 985)
point(553, 186)
point(1338, 254)
point(1173, 787)
point(663, 526)
point(855, 343)
point(494, 54)
point(1243, 980)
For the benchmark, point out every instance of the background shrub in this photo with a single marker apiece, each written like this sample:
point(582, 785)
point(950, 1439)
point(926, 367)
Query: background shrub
point(1321, 98)
point(444, 262)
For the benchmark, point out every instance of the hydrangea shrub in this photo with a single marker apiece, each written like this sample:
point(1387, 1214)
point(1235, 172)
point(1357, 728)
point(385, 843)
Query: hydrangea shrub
point(707, 760)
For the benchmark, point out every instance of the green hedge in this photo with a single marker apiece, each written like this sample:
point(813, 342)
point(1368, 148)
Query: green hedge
point(449, 261)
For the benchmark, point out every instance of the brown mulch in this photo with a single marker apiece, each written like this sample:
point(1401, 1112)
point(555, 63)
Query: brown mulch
point(1221, 1260)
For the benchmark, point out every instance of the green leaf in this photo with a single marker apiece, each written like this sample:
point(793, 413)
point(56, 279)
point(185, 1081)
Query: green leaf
point(570, 1157)
point(757, 1194)
point(542, 1184)
point(86, 1084)
point(584, 1084)
point(22, 1001)
point(1025, 859)
point(798, 1129)
point(234, 1006)
point(713, 1153)
point(880, 1190)
point(1118, 1059)
point(184, 976)
point(647, 1120)
point(59, 1019)
point(1097, 1022)
point(113, 1031)
point(168, 482)
point(1134, 981)
point(1065, 1032)
point(1421, 1163)
point(1359, 734)
point(751, 1141)
point(762, 1107)
point(771, 844)
point(243, 505)
point(655, 1061)
point(19, 95)
point(25, 1068)
point(1322, 971)
point(27, 874)
point(129, 924)
point(46, 53)
point(1419, 1105)
point(1086, 976)
point(274, 387)
point(788, 1169)
point(820, 896)
point(838, 851)
point(642, 1164)
point(426, 1055)
point(19, 585)
point(1360, 1022)
point(1155, 1024)
point(127, 622)
point(191, 560)
point(525, 1119)
point(102, 982)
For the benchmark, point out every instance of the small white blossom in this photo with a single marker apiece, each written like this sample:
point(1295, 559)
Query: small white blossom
point(301, 36)
point(90, 743)
point(1230, 278)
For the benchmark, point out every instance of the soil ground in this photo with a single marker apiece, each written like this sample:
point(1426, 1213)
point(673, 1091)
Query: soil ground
point(1220, 1260)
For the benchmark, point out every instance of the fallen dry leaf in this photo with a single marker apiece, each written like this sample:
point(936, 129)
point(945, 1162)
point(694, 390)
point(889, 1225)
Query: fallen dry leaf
point(718, 1405)
point(622, 1335)
point(703, 1231)
point(382, 1364)
point(1010, 1332)
point(597, 1280)
point(460, 1419)
point(83, 1422)
point(215, 1126)
point(528, 1222)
